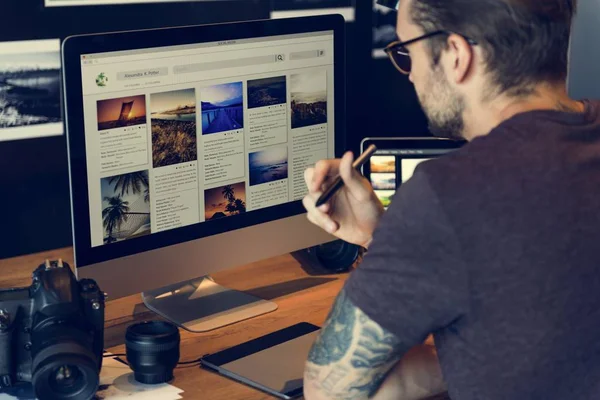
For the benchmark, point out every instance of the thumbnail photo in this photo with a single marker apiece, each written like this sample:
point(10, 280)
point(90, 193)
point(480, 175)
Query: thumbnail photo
point(125, 206)
point(309, 98)
point(268, 165)
point(121, 112)
point(267, 92)
point(30, 89)
point(385, 196)
point(222, 108)
point(383, 181)
point(173, 127)
point(383, 164)
point(225, 201)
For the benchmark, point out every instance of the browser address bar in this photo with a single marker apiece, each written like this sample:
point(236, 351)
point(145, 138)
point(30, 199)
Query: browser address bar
point(233, 63)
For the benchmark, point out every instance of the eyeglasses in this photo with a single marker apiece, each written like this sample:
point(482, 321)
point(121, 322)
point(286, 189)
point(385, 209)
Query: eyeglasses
point(400, 56)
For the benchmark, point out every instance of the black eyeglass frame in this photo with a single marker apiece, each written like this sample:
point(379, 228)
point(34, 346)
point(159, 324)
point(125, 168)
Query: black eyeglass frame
point(395, 46)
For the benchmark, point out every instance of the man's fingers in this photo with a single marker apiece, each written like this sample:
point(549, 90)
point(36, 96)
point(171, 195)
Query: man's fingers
point(317, 217)
point(323, 170)
point(308, 177)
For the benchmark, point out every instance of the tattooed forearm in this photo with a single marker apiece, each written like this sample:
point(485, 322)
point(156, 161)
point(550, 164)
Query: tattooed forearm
point(336, 336)
point(353, 354)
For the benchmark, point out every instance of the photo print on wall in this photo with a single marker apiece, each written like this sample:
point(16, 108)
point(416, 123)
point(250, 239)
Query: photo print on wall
point(30, 104)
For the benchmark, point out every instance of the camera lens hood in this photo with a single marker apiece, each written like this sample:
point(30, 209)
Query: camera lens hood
point(152, 351)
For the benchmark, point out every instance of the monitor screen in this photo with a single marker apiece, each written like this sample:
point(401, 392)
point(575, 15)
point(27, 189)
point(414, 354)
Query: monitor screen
point(182, 136)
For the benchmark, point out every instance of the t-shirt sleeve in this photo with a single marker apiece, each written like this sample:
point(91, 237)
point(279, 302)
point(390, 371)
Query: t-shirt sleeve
point(412, 281)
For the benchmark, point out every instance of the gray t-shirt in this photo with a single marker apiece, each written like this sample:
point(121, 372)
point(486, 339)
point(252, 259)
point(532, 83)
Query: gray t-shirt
point(495, 249)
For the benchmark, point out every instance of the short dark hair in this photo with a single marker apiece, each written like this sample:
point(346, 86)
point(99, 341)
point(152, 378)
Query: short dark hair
point(524, 41)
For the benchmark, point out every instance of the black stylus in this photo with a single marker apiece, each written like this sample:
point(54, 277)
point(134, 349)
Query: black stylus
point(338, 182)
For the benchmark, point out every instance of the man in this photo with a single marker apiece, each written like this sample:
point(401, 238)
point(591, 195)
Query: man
point(493, 249)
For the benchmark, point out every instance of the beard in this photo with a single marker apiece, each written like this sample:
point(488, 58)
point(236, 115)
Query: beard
point(443, 107)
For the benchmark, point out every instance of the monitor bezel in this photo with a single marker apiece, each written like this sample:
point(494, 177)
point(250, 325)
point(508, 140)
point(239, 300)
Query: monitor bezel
point(76, 46)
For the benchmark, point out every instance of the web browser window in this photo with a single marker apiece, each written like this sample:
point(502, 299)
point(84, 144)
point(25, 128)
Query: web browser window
point(189, 134)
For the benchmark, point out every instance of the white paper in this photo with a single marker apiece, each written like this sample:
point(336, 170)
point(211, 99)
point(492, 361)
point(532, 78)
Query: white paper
point(30, 89)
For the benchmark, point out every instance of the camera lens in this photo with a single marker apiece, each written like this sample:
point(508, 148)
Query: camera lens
point(66, 377)
point(152, 351)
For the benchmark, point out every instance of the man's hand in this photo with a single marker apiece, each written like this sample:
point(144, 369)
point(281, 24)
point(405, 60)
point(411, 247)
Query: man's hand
point(354, 212)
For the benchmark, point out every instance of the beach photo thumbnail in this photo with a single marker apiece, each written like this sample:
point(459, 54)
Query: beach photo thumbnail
point(173, 116)
point(121, 112)
point(268, 165)
point(383, 164)
point(125, 206)
point(225, 201)
point(383, 181)
point(222, 107)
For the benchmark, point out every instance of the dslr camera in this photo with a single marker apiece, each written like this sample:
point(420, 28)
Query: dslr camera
point(52, 334)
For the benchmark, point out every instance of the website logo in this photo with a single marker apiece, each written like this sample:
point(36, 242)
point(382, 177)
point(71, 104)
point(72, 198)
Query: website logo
point(102, 79)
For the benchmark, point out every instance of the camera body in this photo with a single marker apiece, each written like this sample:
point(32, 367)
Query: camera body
point(52, 334)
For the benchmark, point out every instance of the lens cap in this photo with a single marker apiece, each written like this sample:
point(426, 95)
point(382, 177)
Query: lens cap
point(152, 351)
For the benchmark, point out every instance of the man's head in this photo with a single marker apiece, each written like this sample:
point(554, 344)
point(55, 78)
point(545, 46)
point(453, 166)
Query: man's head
point(520, 45)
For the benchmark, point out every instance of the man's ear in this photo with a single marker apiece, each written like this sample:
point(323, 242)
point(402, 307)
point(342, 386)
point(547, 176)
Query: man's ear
point(460, 58)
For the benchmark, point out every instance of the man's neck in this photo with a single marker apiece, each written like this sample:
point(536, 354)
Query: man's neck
point(481, 120)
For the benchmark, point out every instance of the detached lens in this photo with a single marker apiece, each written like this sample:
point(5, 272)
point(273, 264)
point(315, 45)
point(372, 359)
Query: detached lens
point(152, 351)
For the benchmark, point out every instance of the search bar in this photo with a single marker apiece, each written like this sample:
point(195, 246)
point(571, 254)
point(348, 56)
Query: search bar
point(303, 55)
point(233, 63)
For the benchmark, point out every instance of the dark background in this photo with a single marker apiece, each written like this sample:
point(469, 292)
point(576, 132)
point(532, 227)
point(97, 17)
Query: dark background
point(34, 194)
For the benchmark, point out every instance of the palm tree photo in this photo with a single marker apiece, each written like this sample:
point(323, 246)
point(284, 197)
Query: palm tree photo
point(114, 215)
point(225, 201)
point(134, 182)
point(125, 206)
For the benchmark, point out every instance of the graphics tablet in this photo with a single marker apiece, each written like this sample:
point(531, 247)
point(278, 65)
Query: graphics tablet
point(396, 159)
point(273, 363)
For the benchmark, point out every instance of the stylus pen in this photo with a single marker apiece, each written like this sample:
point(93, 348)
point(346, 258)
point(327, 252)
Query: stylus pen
point(338, 182)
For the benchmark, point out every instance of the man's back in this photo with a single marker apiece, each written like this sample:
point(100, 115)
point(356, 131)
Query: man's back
point(511, 273)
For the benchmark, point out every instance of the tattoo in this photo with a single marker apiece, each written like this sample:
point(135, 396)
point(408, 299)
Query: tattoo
point(334, 377)
point(354, 351)
point(376, 347)
point(336, 336)
point(371, 387)
point(560, 106)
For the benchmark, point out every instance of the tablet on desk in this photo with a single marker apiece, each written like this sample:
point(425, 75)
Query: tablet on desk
point(273, 363)
point(396, 159)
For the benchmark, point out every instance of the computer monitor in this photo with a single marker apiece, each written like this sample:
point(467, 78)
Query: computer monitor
point(187, 151)
point(396, 159)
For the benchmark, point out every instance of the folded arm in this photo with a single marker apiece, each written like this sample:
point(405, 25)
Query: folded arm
point(353, 357)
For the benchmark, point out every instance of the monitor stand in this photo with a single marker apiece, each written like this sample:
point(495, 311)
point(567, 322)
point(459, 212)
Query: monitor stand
point(201, 305)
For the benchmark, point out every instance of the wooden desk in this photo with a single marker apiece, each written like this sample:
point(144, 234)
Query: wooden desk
point(300, 297)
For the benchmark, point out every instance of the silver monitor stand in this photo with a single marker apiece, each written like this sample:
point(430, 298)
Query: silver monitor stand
point(201, 305)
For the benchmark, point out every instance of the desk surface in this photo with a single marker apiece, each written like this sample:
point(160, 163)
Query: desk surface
point(300, 297)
